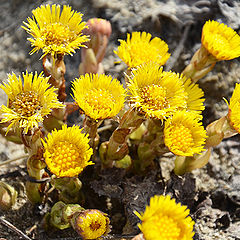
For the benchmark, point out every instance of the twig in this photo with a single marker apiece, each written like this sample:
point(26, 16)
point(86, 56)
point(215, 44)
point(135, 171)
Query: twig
point(179, 49)
point(9, 27)
point(31, 229)
point(13, 228)
point(13, 159)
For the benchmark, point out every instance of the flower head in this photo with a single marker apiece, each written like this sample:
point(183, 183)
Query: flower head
point(194, 94)
point(67, 151)
point(55, 32)
point(99, 96)
point(91, 224)
point(155, 93)
point(220, 40)
point(139, 49)
point(234, 108)
point(165, 219)
point(28, 101)
point(184, 135)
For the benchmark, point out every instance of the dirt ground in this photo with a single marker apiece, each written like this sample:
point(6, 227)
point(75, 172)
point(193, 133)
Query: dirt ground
point(212, 193)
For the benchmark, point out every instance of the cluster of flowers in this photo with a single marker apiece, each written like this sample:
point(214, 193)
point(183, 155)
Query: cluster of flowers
point(163, 108)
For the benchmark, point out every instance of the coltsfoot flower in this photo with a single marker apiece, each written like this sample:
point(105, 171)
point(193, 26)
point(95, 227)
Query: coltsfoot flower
point(220, 40)
point(55, 32)
point(165, 219)
point(91, 224)
point(67, 152)
point(140, 48)
point(28, 101)
point(99, 96)
point(194, 94)
point(184, 134)
point(234, 108)
point(154, 93)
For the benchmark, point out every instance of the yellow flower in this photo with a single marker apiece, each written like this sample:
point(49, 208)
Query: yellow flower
point(184, 135)
point(67, 151)
point(194, 94)
point(139, 49)
point(220, 40)
point(155, 93)
point(91, 224)
point(164, 219)
point(28, 101)
point(99, 96)
point(234, 108)
point(55, 32)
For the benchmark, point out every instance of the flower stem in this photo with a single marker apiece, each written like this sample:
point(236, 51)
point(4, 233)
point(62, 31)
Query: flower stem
point(90, 127)
point(201, 63)
point(35, 164)
point(54, 67)
point(117, 147)
point(185, 164)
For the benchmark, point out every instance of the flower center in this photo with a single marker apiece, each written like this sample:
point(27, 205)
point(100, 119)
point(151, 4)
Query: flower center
point(100, 99)
point(167, 228)
point(95, 225)
point(65, 155)
point(26, 104)
point(181, 137)
point(154, 96)
point(57, 34)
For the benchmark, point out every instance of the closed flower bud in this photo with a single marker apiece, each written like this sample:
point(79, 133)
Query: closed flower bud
point(8, 196)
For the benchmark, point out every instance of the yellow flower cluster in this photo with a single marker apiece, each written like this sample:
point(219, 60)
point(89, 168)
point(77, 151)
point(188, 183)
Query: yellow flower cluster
point(165, 219)
point(169, 96)
point(66, 151)
point(160, 95)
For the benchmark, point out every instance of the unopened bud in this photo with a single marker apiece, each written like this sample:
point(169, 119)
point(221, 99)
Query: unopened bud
point(99, 31)
point(8, 196)
point(98, 25)
point(61, 214)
